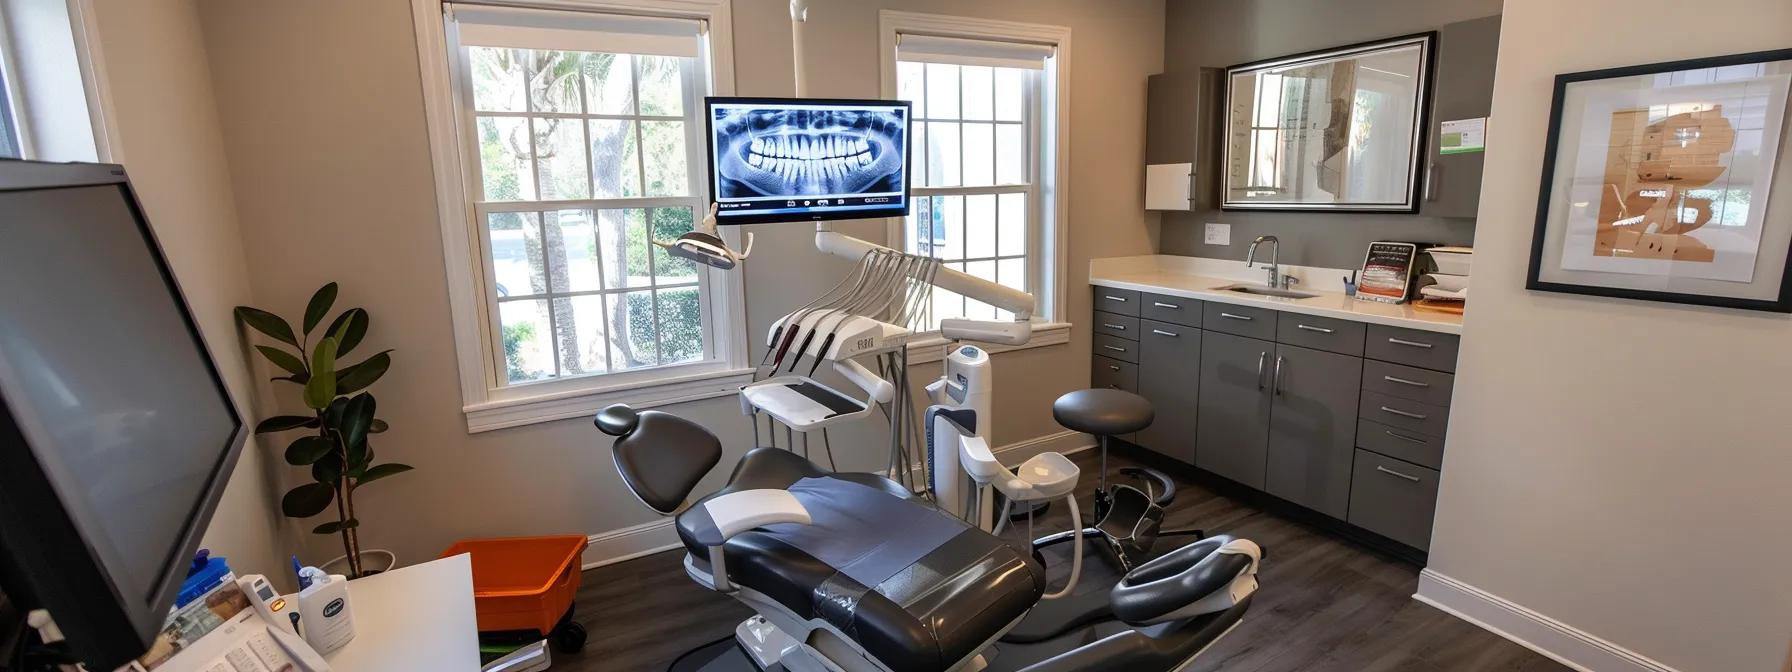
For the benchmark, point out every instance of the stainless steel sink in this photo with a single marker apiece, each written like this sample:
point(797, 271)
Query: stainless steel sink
point(1266, 291)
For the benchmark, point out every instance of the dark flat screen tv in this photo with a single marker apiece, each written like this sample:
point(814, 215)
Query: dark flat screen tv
point(117, 434)
point(807, 159)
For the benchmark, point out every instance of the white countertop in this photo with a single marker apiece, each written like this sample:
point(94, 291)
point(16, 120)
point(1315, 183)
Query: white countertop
point(1197, 278)
point(419, 617)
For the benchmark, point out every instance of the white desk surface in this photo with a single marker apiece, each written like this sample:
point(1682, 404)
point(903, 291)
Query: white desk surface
point(415, 618)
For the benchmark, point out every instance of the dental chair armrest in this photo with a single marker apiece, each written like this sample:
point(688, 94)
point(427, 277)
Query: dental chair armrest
point(737, 512)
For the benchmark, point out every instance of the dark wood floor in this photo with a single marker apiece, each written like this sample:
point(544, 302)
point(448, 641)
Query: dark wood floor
point(1324, 604)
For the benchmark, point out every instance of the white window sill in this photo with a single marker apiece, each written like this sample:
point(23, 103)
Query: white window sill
point(1045, 334)
point(536, 408)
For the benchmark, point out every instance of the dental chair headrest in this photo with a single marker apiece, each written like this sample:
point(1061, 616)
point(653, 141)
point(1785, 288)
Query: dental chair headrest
point(660, 456)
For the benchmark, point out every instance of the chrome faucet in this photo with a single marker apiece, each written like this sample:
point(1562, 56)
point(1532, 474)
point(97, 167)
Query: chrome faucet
point(1276, 279)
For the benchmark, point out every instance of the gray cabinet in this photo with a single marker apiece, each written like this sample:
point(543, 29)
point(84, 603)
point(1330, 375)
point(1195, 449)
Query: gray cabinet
point(1113, 373)
point(1393, 498)
point(1466, 53)
point(1232, 427)
point(1181, 126)
point(1169, 373)
point(1312, 427)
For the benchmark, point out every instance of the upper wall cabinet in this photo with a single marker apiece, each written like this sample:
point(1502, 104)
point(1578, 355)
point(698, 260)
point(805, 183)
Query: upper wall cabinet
point(1181, 130)
point(1466, 53)
point(1342, 129)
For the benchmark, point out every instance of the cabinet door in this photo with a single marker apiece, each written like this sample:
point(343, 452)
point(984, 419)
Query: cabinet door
point(1466, 52)
point(1233, 415)
point(1312, 427)
point(1169, 376)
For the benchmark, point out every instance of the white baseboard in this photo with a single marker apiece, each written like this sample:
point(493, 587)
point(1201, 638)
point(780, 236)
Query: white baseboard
point(628, 543)
point(1537, 632)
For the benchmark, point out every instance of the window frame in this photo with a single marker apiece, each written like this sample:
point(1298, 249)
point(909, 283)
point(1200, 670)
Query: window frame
point(1049, 155)
point(489, 401)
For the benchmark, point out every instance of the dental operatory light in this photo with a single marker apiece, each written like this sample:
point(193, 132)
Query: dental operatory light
point(703, 246)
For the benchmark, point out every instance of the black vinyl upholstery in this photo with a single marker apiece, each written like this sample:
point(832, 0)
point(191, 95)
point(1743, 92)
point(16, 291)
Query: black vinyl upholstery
point(1103, 412)
point(928, 617)
point(661, 456)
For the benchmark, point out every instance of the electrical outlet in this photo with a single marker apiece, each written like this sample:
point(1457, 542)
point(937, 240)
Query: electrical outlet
point(1219, 234)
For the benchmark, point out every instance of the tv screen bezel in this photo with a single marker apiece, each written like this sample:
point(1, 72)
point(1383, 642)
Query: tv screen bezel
point(47, 559)
point(709, 154)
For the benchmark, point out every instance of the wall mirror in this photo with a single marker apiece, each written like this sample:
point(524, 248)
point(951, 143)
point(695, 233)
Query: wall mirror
point(1341, 129)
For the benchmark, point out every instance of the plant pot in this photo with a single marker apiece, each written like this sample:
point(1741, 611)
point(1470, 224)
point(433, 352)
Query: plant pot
point(372, 562)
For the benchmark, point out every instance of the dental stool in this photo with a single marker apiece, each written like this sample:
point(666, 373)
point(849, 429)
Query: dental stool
point(1128, 521)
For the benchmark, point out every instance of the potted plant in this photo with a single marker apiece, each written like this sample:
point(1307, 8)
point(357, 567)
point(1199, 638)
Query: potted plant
point(337, 446)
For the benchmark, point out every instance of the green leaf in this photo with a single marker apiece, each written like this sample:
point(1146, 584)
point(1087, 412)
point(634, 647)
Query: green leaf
point(298, 378)
point(283, 359)
point(378, 426)
point(328, 470)
point(335, 526)
point(348, 330)
point(281, 423)
point(355, 421)
point(356, 378)
point(267, 323)
point(382, 471)
point(321, 389)
point(319, 306)
point(308, 450)
point(307, 500)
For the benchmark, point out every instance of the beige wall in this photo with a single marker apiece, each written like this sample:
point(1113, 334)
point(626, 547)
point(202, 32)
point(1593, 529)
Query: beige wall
point(168, 140)
point(323, 121)
point(1620, 466)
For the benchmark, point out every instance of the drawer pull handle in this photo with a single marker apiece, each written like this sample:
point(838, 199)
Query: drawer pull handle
point(1115, 348)
point(1230, 316)
point(1415, 344)
point(1321, 330)
point(1113, 367)
point(1161, 304)
point(1111, 297)
point(1262, 358)
point(1161, 332)
point(1115, 327)
point(1391, 472)
point(1404, 381)
point(1403, 437)
point(1409, 414)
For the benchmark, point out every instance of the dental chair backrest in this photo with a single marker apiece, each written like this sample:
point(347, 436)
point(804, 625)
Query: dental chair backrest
point(661, 456)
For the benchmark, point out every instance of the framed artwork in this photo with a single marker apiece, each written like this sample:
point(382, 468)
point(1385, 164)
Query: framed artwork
point(1658, 183)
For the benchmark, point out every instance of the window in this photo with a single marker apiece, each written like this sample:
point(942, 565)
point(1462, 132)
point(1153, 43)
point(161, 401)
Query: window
point(984, 156)
point(9, 130)
point(576, 141)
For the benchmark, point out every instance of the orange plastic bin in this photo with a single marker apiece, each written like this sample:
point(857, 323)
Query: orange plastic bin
point(527, 583)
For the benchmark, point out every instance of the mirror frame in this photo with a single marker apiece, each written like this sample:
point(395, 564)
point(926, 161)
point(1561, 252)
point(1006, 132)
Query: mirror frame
point(1427, 43)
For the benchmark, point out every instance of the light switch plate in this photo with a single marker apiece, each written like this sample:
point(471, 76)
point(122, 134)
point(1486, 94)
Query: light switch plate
point(1219, 234)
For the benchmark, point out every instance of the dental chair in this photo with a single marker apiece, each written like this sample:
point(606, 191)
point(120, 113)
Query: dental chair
point(851, 573)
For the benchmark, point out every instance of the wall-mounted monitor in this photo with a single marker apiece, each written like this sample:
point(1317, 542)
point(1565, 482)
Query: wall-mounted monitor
point(807, 159)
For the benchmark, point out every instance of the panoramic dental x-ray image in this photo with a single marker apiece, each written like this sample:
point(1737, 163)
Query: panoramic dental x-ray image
point(808, 151)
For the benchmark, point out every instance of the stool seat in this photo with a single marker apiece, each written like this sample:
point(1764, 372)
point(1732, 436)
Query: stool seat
point(1103, 412)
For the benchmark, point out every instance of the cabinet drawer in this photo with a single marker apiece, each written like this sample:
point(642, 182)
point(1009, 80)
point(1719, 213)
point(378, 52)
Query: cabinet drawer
point(1320, 333)
point(1110, 372)
point(1424, 349)
point(1405, 382)
point(1118, 301)
point(1392, 498)
point(1172, 309)
point(1117, 348)
point(1117, 325)
point(1259, 323)
point(1404, 444)
point(1404, 413)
